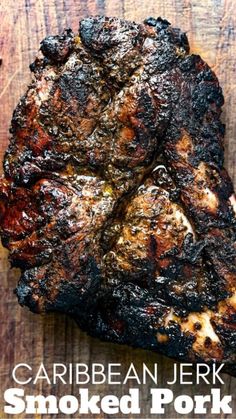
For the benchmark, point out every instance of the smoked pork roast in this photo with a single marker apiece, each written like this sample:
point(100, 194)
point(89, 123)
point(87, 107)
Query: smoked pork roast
point(114, 201)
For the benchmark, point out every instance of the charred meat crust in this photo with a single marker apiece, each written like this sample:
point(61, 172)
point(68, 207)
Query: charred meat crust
point(115, 203)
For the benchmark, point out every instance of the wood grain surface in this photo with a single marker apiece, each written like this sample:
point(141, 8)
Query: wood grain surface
point(25, 337)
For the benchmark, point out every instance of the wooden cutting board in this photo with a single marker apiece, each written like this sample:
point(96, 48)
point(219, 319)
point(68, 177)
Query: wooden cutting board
point(25, 337)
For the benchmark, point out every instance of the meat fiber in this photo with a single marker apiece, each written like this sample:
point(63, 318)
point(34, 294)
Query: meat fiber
point(114, 202)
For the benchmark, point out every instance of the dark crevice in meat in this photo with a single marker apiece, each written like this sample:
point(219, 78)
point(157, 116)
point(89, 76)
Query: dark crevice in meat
point(114, 201)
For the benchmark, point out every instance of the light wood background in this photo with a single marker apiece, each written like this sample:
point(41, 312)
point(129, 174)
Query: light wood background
point(25, 337)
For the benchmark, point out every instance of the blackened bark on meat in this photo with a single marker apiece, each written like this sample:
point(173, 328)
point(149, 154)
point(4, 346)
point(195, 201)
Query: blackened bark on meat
point(115, 203)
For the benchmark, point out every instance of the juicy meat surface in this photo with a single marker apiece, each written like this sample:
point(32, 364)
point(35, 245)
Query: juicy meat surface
point(115, 203)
